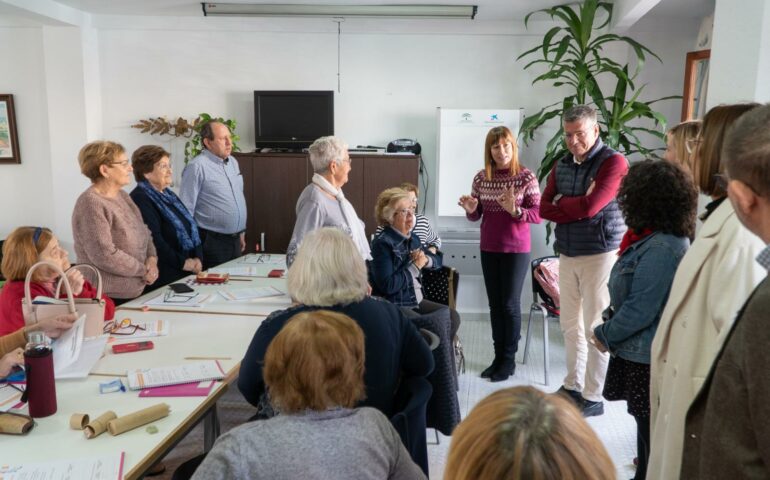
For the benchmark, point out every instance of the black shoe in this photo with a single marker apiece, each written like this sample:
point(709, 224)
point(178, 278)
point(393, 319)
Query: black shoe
point(592, 409)
point(489, 370)
point(573, 395)
point(503, 372)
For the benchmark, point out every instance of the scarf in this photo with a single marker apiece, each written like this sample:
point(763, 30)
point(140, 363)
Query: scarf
point(631, 237)
point(167, 202)
point(349, 214)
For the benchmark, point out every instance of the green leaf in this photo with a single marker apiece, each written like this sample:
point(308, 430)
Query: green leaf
point(587, 16)
point(547, 40)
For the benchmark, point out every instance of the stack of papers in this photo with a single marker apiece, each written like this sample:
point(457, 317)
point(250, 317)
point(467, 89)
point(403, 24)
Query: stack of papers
point(250, 293)
point(171, 299)
point(158, 328)
point(73, 355)
point(91, 468)
point(263, 259)
point(164, 376)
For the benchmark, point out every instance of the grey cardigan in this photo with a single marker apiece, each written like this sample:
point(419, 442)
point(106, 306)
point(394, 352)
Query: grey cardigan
point(356, 444)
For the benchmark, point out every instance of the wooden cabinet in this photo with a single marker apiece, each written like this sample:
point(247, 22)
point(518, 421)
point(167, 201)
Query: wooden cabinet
point(273, 182)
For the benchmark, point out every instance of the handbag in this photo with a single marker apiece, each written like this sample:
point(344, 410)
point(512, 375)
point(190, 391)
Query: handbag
point(92, 308)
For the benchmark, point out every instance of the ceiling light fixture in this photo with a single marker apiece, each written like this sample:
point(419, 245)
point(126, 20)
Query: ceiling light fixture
point(293, 10)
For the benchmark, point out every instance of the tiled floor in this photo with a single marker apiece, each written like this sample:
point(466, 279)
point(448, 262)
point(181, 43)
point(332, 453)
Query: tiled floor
point(616, 428)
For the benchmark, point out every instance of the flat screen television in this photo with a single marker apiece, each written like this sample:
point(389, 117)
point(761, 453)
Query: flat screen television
point(292, 119)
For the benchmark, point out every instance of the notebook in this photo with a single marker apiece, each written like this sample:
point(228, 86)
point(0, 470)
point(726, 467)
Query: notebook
point(196, 389)
point(175, 375)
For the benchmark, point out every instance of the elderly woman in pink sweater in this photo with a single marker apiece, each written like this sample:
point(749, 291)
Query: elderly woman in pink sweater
point(506, 197)
point(108, 227)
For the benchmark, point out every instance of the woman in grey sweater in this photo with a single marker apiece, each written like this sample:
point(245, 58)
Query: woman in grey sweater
point(314, 371)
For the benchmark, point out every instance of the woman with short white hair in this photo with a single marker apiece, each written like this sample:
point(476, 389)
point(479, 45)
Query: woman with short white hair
point(325, 276)
point(322, 203)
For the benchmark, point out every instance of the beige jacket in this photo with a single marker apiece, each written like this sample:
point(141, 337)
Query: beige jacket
point(713, 280)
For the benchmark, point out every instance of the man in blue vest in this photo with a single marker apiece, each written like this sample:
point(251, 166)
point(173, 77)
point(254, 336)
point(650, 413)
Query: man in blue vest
point(580, 198)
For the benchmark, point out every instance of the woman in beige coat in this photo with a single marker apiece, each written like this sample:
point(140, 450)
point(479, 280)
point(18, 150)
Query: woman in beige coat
point(713, 280)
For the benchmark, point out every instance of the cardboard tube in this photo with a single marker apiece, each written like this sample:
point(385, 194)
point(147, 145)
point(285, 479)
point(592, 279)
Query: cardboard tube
point(137, 419)
point(99, 425)
point(15, 424)
point(78, 421)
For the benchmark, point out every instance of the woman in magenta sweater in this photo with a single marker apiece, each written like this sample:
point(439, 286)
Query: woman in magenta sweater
point(506, 197)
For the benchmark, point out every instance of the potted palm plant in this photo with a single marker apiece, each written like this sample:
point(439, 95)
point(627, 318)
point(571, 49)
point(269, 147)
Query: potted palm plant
point(571, 54)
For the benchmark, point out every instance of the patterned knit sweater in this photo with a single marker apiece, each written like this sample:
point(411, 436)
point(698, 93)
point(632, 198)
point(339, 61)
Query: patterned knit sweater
point(500, 231)
point(111, 235)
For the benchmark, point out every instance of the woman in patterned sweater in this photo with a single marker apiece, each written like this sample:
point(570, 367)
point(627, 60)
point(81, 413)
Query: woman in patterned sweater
point(506, 197)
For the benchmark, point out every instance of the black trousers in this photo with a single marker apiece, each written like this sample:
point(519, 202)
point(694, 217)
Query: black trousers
point(642, 446)
point(504, 278)
point(219, 248)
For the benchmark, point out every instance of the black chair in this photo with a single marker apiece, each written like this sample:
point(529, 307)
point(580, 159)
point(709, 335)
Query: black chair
point(543, 303)
point(412, 397)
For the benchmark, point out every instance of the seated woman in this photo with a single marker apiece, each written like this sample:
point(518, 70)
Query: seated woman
point(659, 229)
point(422, 228)
point(314, 369)
point(108, 228)
point(522, 432)
point(12, 345)
point(325, 275)
point(23, 248)
point(322, 203)
point(398, 257)
point(174, 231)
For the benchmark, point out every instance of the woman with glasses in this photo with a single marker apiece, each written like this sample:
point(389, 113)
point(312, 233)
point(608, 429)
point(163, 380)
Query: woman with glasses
point(713, 280)
point(174, 230)
point(107, 226)
point(23, 248)
point(681, 142)
point(398, 258)
point(505, 196)
point(322, 203)
point(422, 227)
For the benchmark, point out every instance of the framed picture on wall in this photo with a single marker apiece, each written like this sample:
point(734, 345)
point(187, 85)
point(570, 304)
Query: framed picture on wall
point(9, 139)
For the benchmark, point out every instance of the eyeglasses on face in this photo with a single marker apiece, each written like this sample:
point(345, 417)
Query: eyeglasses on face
point(405, 212)
point(124, 164)
point(579, 135)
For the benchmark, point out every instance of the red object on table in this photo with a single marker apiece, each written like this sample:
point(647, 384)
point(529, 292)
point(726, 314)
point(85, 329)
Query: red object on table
point(132, 347)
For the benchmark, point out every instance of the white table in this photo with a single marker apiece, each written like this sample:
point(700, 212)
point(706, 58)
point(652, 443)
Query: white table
point(217, 304)
point(192, 335)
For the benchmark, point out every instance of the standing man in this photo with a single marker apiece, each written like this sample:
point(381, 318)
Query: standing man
point(727, 434)
point(212, 189)
point(580, 198)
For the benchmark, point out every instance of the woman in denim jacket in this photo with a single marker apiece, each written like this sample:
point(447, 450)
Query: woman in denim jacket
point(658, 200)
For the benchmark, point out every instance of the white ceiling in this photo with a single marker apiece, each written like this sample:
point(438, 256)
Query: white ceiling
point(488, 9)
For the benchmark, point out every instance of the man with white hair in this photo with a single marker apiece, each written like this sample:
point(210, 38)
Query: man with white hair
point(727, 434)
point(322, 203)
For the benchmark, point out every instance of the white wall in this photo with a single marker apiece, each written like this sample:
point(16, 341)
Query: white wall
point(740, 55)
point(393, 76)
point(26, 190)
